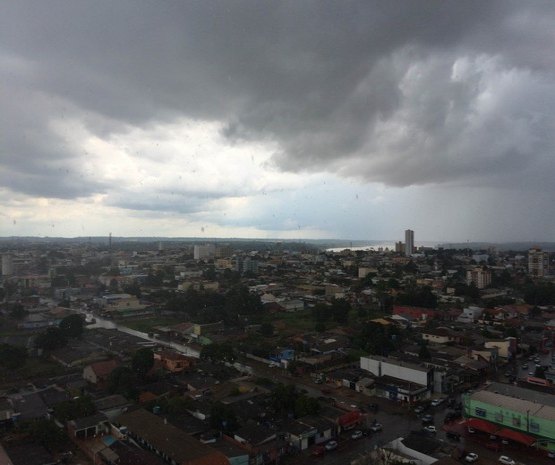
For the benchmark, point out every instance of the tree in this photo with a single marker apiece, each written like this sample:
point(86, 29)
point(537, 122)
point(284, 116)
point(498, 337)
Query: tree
point(222, 417)
point(52, 338)
point(267, 329)
point(72, 326)
point(305, 405)
point(283, 398)
point(123, 380)
point(133, 289)
point(320, 327)
point(12, 357)
point(340, 309)
point(75, 408)
point(239, 301)
point(48, 434)
point(18, 312)
point(424, 353)
point(143, 361)
point(215, 352)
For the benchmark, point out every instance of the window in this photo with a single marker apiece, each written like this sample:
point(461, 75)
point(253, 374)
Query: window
point(499, 417)
point(480, 412)
point(534, 427)
point(516, 421)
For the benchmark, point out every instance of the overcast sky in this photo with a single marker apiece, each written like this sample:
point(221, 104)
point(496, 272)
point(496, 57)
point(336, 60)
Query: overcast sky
point(299, 119)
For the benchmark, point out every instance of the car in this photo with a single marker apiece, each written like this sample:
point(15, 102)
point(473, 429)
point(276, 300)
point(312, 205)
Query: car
point(427, 418)
point(471, 457)
point(356, 434)
point(525, 366)
point(453, 436)
point(530, 373)
point(437, 402)
point(331, 445)
point(506, 460)
point(375, 427)
point(373, 407)
point(318, 451)
point(418, 409)
point(430, 429)
point(494, 446)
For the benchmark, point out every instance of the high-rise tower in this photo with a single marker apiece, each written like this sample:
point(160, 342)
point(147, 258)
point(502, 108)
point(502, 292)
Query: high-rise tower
point(409, 242)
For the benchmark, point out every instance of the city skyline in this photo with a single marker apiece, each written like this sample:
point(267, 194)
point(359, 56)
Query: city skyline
point(285, 121)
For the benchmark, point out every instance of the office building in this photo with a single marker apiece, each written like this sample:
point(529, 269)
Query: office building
point(480, 276)
point(538, 262)
point(409, 242)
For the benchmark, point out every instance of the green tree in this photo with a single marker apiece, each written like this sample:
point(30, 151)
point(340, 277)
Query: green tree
point(72, 326)
point(305, 405)
point(283, 399)
point(122, 381)
point(18, 312)
point(142, 361)
point(340, 309)
point(75, 408)
point(320, 327)
point(12, 357)
point(267, 329)
point(424, 353)
point(52, 338)
point(48, 434)
point(222, 417)
point(216, 352)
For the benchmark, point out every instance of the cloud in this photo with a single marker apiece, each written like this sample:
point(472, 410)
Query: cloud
point(186, 107)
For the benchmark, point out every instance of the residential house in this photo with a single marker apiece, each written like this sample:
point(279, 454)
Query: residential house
point(98, 373)
point(173, 361)
point(172, 444)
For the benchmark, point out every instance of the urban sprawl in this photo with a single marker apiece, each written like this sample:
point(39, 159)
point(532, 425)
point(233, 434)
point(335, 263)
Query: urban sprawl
point(122, 352)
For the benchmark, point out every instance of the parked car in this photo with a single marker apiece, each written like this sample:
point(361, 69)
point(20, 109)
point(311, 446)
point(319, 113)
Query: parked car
point(525, 366)
point(419, 409)
point(318, 451)
point(356, 434)
point(437, 402)
point(471, 457)
point(427, 418)
point(430, 429)
point(506, 460)
point(373, 407)
point(453, 436)
point(331, 445)
point(376, 427)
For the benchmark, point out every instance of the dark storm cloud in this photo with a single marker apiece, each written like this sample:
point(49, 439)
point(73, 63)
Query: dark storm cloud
point(367, 89)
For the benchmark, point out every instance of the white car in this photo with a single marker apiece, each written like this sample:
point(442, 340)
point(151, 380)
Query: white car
point(471, 457)
point(375, 427)
point(331, 445)
point(430, 429)
point(436, 402)
point(506, 460)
